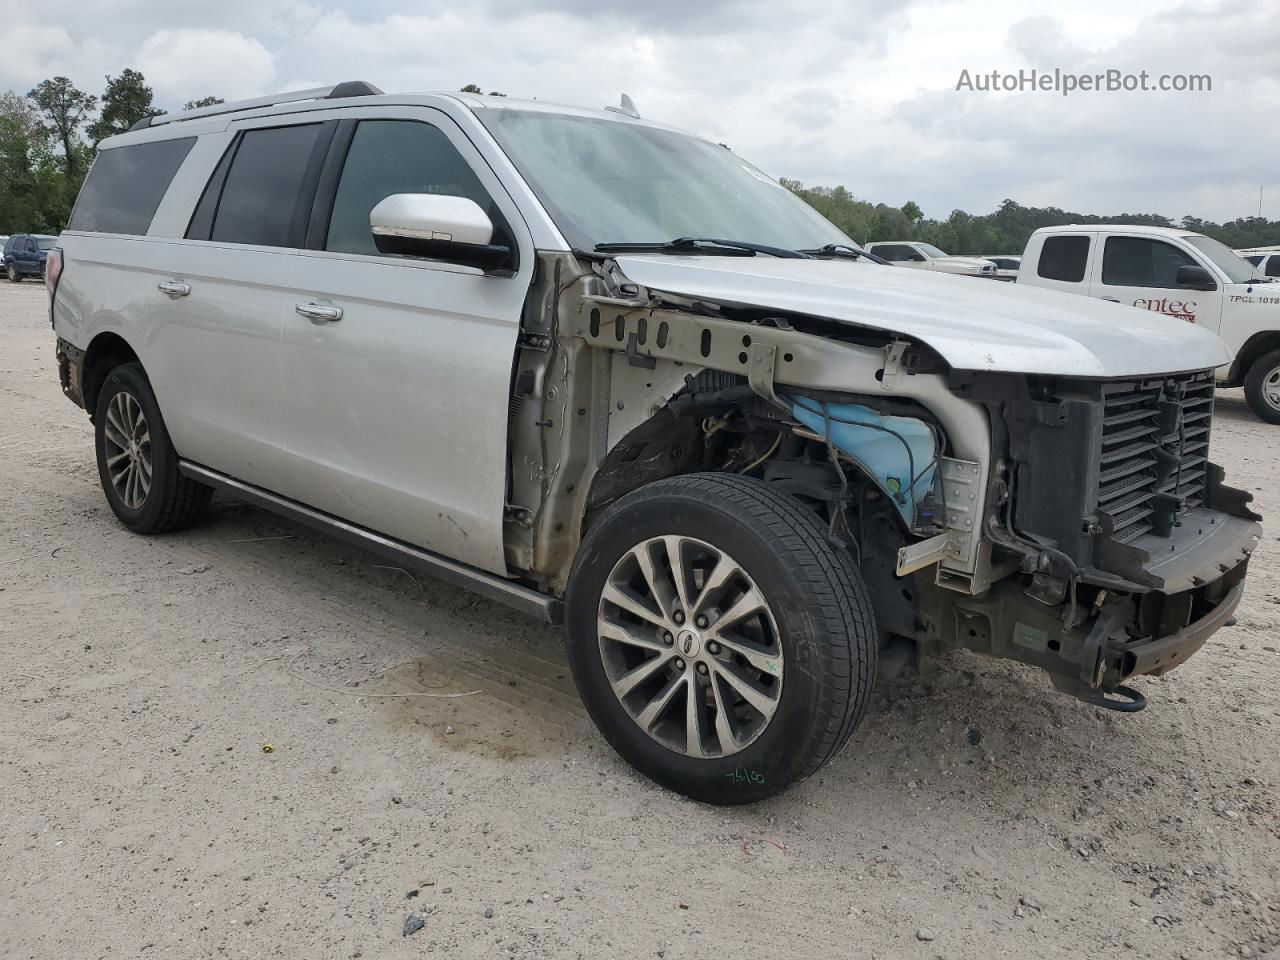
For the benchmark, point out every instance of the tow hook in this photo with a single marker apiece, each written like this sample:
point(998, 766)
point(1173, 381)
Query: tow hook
point(1133, 700)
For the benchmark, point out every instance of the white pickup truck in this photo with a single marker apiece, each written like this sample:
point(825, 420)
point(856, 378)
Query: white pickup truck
point(925, 256)
point(1186, 276)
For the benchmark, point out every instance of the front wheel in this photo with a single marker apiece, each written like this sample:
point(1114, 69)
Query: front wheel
point(1262, 387)
point(722, 644)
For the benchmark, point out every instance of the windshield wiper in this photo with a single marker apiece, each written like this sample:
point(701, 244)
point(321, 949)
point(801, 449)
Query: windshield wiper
point(844, 251)
point(711, 245)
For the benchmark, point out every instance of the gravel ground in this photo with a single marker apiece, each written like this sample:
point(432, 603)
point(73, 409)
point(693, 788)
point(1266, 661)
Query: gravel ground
point(142, 814)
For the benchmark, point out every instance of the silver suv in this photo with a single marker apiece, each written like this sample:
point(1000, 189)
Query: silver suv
point(615, 376)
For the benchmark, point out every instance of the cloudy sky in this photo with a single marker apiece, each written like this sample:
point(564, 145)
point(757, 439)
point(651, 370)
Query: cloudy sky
point(854, 92)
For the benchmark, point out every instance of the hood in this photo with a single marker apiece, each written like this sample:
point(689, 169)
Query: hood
point(996, 327)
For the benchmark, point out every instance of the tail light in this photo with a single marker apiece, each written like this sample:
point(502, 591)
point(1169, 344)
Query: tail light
point(52, 274)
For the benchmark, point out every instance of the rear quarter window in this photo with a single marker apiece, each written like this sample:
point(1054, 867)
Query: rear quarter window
point(126, 184)
point(1063, 258)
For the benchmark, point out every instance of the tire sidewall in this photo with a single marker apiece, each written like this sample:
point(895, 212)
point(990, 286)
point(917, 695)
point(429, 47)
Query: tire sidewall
point(130, 378)
point(776, 757)
point(11, 271)
point(1254, 387)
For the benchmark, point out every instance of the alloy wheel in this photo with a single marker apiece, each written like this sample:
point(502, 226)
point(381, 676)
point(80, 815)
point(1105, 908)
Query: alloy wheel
point(128, 450)
point(690, 646)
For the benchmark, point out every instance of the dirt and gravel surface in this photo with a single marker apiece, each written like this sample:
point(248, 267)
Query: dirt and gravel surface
point(975, 813)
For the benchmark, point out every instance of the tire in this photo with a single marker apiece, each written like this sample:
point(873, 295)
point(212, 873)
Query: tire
point(813, 644)
point(158, 502)
point(11, 271)
point(1264, 378)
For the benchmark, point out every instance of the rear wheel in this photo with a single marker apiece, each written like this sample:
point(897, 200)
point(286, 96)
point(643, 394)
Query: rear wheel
point(721, 643)
point(137, 464)
point(1262, 387)
point(11, 271)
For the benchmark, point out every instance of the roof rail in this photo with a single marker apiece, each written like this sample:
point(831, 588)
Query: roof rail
point(348, 88)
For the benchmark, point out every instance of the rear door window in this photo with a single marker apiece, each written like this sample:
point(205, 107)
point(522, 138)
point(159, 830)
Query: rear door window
point(261, 192)
point(1142, 262)
point(126, 184)
point(1064, 258)
point(1273, 265)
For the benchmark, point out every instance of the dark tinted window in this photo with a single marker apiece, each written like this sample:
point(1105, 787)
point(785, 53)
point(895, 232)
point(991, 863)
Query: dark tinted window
point(1255, 260)
point(126, 184)
point(1140, 262)
point(1273, 265)
point(262, 200)
point(894, 252)
point(1064, 258)
point(396, 156)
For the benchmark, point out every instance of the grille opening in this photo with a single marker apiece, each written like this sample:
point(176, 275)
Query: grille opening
point(1155, 446)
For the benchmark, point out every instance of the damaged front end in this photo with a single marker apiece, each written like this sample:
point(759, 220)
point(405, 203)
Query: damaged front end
point(1075, 525)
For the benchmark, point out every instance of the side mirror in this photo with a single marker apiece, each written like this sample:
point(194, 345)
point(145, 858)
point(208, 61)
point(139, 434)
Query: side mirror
point(916, 257)
point(437, 227)
point(1195, 277)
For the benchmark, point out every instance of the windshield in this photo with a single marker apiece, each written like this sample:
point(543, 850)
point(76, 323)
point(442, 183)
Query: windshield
point(1237, 269)
point(610, 181)
point(929, 250)
point(46, 243)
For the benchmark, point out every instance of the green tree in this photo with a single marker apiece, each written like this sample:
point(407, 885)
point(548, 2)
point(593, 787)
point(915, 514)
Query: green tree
point(33, 191)
point(65, 108)
point(911, 210)
point(471, 88)
point(202, 102)
point(126, 101)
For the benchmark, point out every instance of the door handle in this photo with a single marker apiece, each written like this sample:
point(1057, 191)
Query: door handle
point(319, 312)
point(1111, 299)
point(174, 288)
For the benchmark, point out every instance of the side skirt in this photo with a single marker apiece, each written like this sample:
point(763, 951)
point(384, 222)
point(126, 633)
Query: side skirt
point(514, 595)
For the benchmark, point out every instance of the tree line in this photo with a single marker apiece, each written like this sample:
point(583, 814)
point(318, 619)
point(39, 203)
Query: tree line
point(49, 135)
point(1004, 232)
point(48, 138)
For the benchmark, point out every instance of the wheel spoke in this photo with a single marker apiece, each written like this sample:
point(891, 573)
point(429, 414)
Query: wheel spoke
point(720, 574)
point(748, 603)
point(693, 718)
point(638, 675)
point(659, 586)
point(758, 699)
point(625, 635)
point(762, 660)
point(678, 572)
point(626, 600)
point(116, 458)
point(649, 715)
point(724, 729)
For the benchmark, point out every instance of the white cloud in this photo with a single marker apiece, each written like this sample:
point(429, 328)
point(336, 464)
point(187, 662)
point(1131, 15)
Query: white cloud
point(187, 64)
point(859, 92)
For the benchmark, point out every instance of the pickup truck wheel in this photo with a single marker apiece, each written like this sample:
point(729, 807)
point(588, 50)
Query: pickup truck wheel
point(136, 461)
point(11, 271)
point(1262, 387)
point(724, 647)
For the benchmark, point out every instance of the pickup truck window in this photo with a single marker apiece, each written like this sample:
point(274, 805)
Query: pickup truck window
point(1063, 258)
point(1273, 266)
point(1223, 257)
point(929, 250)
point(126, 184)
point(396, 156)
point(1142, 262)
point(613, 180)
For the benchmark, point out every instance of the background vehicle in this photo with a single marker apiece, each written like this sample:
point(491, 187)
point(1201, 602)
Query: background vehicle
point(747, 468)
point(1006, 267)
point(1266, 260)
point(24, 255)
point(1181, 275)
point(925, 256)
